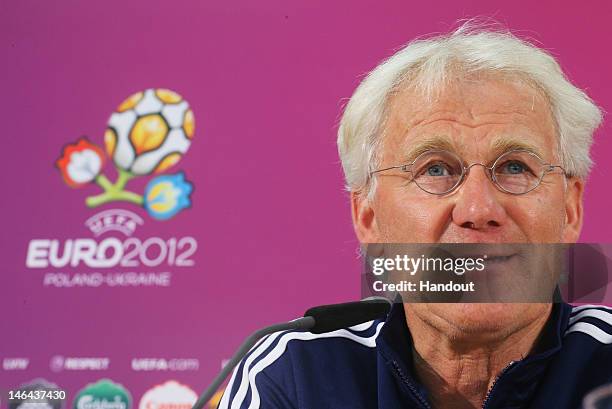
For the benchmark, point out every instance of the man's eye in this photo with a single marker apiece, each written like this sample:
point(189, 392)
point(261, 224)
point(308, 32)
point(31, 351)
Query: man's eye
point(513, 168)
point(437, 170)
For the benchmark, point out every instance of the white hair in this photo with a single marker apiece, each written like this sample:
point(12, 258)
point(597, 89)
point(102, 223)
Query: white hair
point(426, 65)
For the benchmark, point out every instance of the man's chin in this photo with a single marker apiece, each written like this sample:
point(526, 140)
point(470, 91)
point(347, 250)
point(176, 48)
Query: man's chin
point(484, 320)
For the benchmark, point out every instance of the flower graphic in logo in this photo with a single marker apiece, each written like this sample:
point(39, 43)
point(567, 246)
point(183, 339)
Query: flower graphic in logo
point(80, 162)
point(167, 195)
point(147, 134)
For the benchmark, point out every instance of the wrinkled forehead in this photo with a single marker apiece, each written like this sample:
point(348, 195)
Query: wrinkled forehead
point(477, 118)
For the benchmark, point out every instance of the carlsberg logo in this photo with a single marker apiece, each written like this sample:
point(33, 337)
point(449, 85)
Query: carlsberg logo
point(88, 402)
point(104, 394)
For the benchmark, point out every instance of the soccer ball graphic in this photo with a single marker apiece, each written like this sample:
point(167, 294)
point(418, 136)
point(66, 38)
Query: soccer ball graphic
point(149, 132)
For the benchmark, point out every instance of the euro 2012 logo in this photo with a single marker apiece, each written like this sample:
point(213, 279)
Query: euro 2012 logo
point(148, 133)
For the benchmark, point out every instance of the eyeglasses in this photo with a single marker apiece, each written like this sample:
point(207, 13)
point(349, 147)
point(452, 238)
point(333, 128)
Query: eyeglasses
point(440, 172)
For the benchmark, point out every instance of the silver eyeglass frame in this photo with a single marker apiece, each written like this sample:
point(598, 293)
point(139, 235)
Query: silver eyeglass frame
point(465, 170)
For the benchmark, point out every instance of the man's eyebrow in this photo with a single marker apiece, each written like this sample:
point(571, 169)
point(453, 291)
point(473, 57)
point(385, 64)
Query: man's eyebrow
point(504, 145)
point(437, 143)
point(434, 143)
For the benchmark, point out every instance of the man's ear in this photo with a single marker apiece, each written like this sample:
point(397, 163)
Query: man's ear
point(364, 219)
point(573, 210)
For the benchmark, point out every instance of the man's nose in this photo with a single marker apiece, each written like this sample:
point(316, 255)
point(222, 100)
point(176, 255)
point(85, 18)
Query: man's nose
point(477, 204)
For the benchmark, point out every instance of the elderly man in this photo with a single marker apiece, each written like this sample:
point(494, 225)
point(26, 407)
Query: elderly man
point(431, 144)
